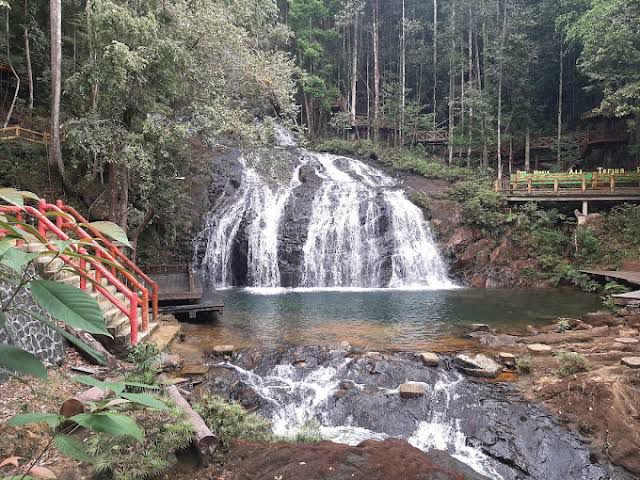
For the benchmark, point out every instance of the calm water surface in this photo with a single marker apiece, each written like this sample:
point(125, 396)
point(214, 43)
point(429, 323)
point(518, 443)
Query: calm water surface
point(380, 318)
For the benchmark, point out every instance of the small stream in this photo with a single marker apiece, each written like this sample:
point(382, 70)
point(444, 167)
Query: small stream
point(354, 397)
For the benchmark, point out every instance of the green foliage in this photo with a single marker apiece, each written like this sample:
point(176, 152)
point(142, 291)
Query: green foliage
point(614, 288)
point(524, 365)
point(483, 208)
point(309, 432)
point(144, 358)
point(571, 363)
point(17, 360)
point(563, 325)
point(126, 459)
point(229, 420)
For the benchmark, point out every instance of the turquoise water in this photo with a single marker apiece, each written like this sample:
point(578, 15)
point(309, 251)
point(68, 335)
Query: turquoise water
point(381, 318)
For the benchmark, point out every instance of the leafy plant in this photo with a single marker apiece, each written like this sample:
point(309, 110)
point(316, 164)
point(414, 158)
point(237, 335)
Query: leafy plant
point(230, 420)
point(524, 365)
point(309, 432)
point(144, 358)
point(572, 363)
point(124, 458)
point(563, 325)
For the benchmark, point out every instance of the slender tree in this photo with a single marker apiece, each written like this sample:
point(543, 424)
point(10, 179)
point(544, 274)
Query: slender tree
point(55, 150)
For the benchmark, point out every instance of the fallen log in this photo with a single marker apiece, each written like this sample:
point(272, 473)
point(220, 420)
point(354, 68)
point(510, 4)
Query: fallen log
point(203, 438)
point(89, 340)
point(76, 404)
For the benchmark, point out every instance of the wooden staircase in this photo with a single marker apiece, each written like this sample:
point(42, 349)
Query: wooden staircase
point(125, 294)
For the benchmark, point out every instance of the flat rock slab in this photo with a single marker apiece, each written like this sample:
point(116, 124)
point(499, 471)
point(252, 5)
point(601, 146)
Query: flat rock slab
point(194, 369)
point(508, 359)
point(429, 359)
point(412, 390)
point(631, 362)
point(566, 337)
point(224, 349)
point(478, 366)
point(627, 340)
point(539, 348)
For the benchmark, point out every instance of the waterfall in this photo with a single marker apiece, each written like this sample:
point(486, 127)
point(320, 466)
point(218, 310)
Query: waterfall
point(361, 230)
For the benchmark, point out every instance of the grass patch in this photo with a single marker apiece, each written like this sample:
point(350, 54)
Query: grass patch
point(572, 363)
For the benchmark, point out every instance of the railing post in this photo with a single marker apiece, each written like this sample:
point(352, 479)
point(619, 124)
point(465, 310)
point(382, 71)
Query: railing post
point(145, 311)
point(133, 320)
point(584, 184)
point(556, 185)
point(42, 208)
point(612, 184)
point(83, 279)
point(59, 220)
point(529, 185)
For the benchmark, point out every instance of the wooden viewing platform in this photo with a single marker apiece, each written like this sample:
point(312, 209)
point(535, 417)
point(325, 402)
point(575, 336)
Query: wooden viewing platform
point(16, 132)
point(629, 276)
point(602, 185)
point(181, 291)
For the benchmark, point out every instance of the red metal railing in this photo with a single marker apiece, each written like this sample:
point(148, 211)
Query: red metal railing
point(104, 261)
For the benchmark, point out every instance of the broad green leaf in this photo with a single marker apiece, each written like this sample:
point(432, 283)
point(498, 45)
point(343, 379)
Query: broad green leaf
point(51, 419)
point(3, 318)
point(115, 387)
point(99, 357)
point(72, 448)
point(17, 259)
point(30, 195)
point(5, 245)
point(111, 230)
point(111, 423)
point(142, 385)
point(18, 477)
point(70, 305)
point(15, 359)
point(11, 195)
point(146, 400)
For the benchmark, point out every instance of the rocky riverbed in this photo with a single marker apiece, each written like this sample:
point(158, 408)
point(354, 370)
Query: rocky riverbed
point(450, 403)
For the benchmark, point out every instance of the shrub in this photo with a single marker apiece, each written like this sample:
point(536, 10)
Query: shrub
point(309, 432)
point(125, 458)
point(229, 420)
point(563, 325)
point(144, 357)
point(524, 365)
point(572, 363)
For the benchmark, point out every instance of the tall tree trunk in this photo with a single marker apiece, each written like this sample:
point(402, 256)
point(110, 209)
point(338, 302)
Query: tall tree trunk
point(510, 156)
point(376, 70)
point(470, 135)
point(527, 150)
point(435, 63)
point(452, 84)
point(354, 73)
point(15, 93)
point(55, 150)
point(500, 79)
point(485, 66)
point(403, 72)
point(560, 101)
point(27, 55)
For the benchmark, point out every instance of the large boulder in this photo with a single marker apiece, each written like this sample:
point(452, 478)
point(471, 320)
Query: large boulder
point(478, 366)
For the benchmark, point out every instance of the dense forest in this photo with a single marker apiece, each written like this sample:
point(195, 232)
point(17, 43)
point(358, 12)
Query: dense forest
point(128, 89)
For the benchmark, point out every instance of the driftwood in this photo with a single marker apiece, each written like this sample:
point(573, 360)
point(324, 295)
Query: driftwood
point(204, 440)
point(75, 405)
point(88, 339)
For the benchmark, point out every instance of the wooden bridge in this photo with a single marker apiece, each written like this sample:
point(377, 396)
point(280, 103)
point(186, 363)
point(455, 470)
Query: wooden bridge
point(16, 132)
point(544, 186)
point(430, 136)
point(626, 275)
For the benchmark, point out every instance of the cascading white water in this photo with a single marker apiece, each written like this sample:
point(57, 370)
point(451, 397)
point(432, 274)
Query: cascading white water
point(296, 401)
point(362, 231)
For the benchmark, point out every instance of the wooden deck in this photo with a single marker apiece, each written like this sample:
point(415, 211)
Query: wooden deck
point(16, 132)
point(630, 298)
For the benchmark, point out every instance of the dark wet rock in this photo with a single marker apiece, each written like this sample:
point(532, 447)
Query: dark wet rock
point(495, 341)
point(599, 319)
point(520, 440)
point(371, 460)
point(479, 327)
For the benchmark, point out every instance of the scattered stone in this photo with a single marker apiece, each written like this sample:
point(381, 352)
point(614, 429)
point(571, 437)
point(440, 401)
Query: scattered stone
point(631, 362)
point(539, 348)
point(429, 359)
point(346, 345)
point(507, 359)
point(194, 369)
point(628, 332)
point(412, 390)
point(532, 330)
point(570, 336)
point(224, 349)
point(478, 366)
point(627, 340)
point(479, 327)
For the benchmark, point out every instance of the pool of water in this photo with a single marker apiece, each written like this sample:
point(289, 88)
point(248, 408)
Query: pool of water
point(377, 319)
